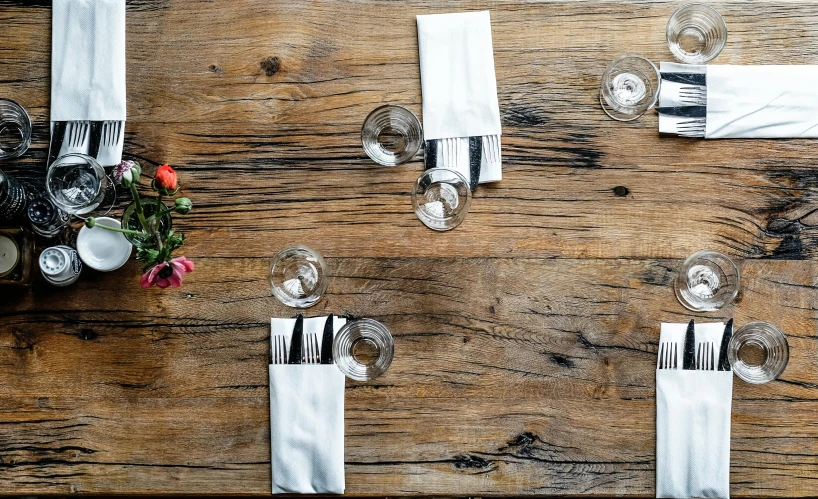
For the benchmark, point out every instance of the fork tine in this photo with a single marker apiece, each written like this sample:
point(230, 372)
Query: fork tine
point(659, 357)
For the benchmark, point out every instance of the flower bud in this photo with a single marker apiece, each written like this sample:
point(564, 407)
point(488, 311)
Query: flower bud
point(90, 222)
point(127, 173)
point(183, 205)
point(165, 180)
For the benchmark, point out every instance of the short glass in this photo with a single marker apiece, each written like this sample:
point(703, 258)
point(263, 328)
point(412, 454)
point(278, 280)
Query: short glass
point(363, 349)
point(441, 198)
point(696, 33)
point(758, 352)
point(76, 183)
point(298, 276)
point(15, 129)
point(707, 281)
point(630, 86)
point(391, 135)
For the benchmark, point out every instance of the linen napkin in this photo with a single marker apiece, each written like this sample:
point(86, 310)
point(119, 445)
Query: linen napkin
point(88, 62)
point(752, 102)
point(306, 419)
point(693, 422)
point(459, 86)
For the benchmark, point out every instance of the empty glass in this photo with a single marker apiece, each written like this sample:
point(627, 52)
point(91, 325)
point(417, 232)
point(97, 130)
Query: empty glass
point(441, 198)
point(298, 276)
point(76, 183)
point(758, 352)
point(696, 33)
point(15, 129)
point(363, 349)
point(630, 86)
point(391, 135)
point(707, 281)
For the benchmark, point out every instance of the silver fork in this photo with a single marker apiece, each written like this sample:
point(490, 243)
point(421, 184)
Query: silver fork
point(76, 136)
point(279, 350)
point(705, 357)
point(667, 356)
point(693, 95)
point(310, 353)
point(110, 133)
point(692, 128)
point(491, 148)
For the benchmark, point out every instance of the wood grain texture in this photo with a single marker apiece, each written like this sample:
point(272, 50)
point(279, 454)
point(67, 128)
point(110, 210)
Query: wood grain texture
point(525, 340)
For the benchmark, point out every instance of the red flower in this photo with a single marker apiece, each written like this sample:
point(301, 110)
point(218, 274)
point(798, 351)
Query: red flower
point(167, 273)
point(166, 178)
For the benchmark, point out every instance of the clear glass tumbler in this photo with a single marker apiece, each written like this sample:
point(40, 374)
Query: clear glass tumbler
point(363, 349)
point(76, 183)
point(441, 198)
point(298, 276)
point(758, 352)
point(696, 33)
point(707, 281)
point(391, 135)
point(15, 129)
point(630, 86)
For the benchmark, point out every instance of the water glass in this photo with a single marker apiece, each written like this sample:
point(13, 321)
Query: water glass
point(15, 129)
point(391, 135)
point(441, 198)
point(76, 183)
point(363, 349)
point(298, 276)
point(707, 281)
point(630, 86)
point(758, 352)
point(696, 33)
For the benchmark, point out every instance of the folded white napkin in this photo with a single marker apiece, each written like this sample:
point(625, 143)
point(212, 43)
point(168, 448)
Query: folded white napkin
point(752, 102)
point(693, 422)
point(306, 419)
point(88, 61)
point(458, 83)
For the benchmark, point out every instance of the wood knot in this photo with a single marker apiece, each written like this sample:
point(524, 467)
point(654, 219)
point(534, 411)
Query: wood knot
point(215, 69)
point(270, 65)
point(621, 191)
point(471, 462)
point(88, 334)
point(562, 361)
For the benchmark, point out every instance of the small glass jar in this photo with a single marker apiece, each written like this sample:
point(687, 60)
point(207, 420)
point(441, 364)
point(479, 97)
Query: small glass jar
point(13, 199)
point(45, 219)
point(130, 221)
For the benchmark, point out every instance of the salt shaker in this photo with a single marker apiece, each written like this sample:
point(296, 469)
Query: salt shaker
point(60, 265)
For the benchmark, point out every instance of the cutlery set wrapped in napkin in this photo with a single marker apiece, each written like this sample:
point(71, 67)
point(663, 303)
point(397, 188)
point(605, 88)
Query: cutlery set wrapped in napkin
point(461, 114)
point(88, 79)
point(694, 389)
point(306, 407)
point(739, 102)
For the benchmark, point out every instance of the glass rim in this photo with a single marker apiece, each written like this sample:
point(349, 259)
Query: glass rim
point(604, 84)
point(346, 361)
point(681, 279)
point(408, 112)
point(773, 333)
point(26, 142)
point(100, 171)
point(278, 291)
point(458, 177)
point(711, 10)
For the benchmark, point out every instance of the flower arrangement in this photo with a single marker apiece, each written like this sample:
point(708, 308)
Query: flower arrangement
point(147, 222)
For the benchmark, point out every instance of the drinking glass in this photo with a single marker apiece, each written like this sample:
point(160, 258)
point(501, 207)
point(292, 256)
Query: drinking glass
point(363, 349)
point(758, 352)
point(630, 86)
point(15, 129)
point(441, 198)
point(696, 33)
point(391, 135)
point(298, 276)
point(76, 183)
point(707, 281)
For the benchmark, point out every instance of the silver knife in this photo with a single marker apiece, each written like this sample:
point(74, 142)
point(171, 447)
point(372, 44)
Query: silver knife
point(699, 79)
point(684, 111)
point(295, 341)
point(430, 154)
point(326, 341)
point(475, 160)
point(724, 362)
point(688, 355)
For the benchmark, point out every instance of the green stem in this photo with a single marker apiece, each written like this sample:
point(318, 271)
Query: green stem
point(158, 216)
point(139, 211)
point(124, 231)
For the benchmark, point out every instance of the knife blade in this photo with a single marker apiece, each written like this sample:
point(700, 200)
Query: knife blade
point(96, 138)
point(295, 341)
point(475, 159)
point(724, 362)
point(430, 154)
point(699, 79)
point(326, 341)
point(57, 138)
point(688, 356)
point(684, 111)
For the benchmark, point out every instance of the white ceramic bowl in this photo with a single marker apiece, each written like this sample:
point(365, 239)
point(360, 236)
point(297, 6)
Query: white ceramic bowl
point(101, 249)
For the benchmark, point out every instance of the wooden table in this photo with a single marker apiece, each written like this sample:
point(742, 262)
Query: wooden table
point(526, 338)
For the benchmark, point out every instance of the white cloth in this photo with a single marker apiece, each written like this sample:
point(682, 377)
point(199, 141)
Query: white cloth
point(306, 419)
point(669, 93)
point(693, 422)
point(458, 83)
point(753, 102)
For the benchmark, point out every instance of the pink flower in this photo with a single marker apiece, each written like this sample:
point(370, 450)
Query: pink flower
point(167, 273)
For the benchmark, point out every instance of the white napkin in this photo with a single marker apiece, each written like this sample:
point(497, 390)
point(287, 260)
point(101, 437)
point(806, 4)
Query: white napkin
point(669, 93)
point(458, 83)
point(88, 61)
point(752, 102)
point(693, 422)
point(306, 419)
